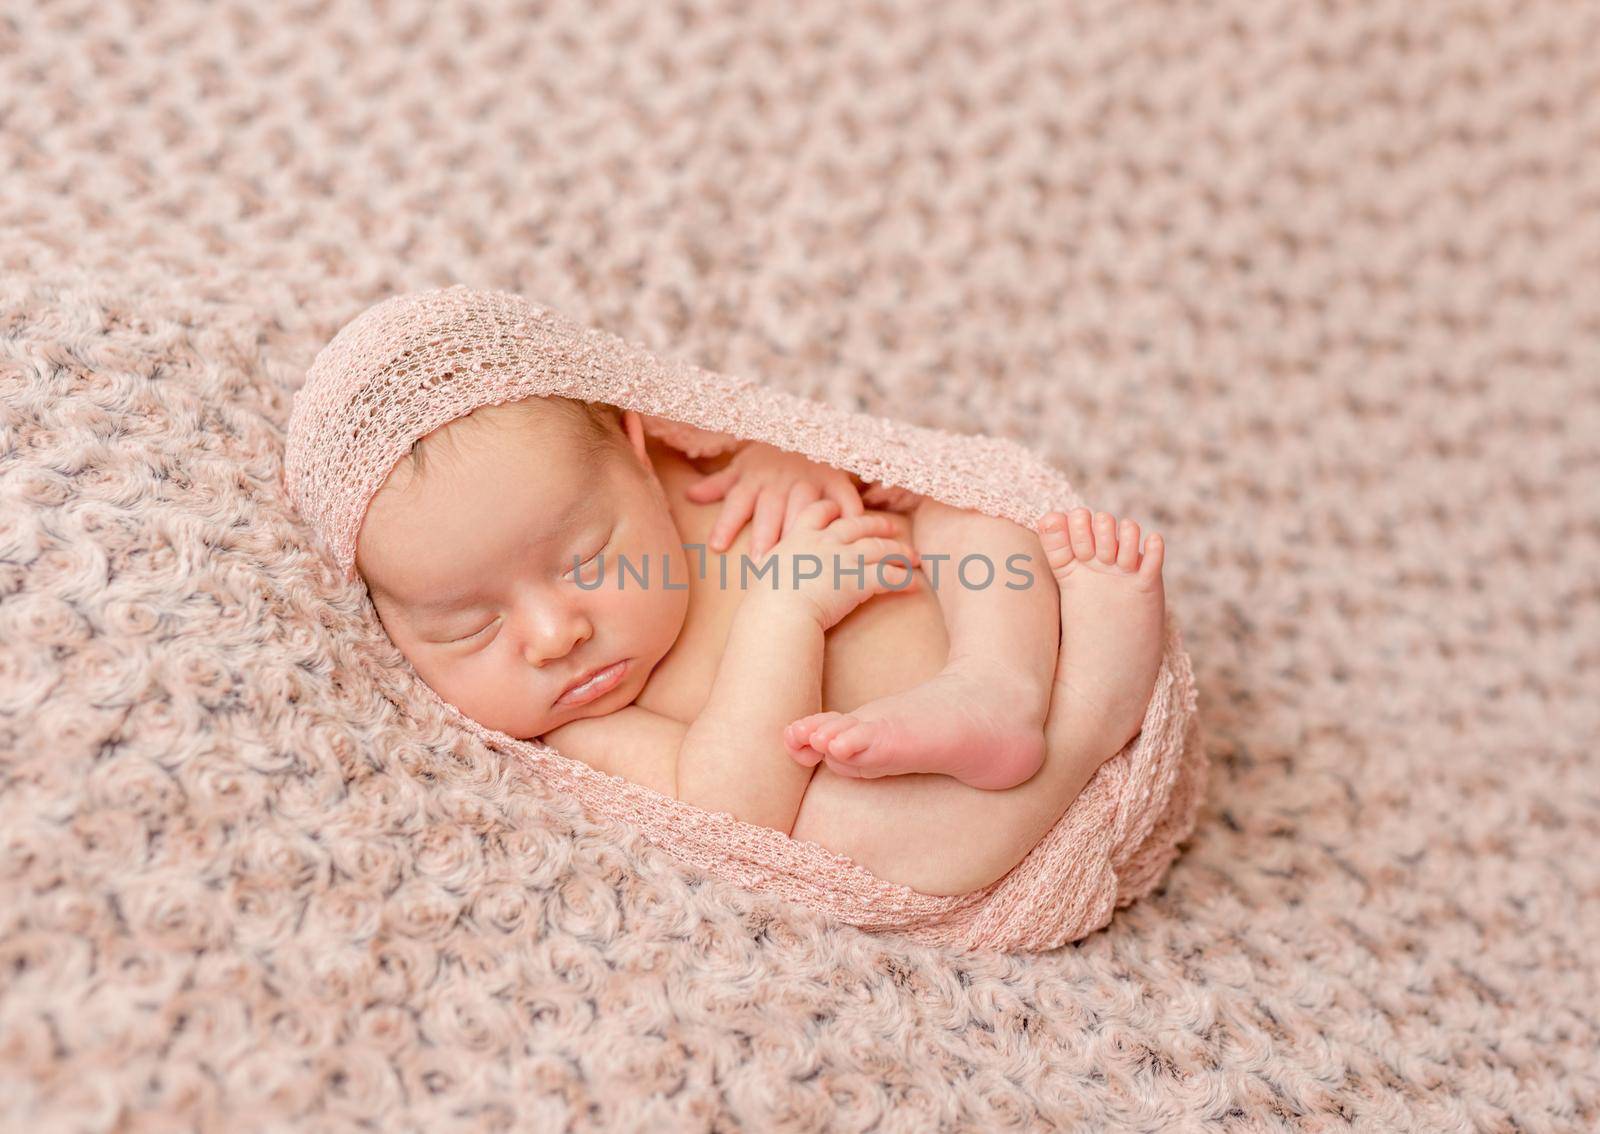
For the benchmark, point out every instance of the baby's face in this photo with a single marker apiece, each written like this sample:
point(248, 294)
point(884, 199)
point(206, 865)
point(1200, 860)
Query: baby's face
point(471, 568)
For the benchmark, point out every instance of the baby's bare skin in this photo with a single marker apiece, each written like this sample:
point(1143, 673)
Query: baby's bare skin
point(981, 717)
point(928, 831)
point(687, 688)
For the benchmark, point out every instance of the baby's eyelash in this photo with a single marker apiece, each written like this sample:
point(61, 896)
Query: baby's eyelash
point(597, 552)
point(475, 633)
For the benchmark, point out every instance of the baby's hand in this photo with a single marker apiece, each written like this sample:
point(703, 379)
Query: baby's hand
point(774, 485)
point(854, 557)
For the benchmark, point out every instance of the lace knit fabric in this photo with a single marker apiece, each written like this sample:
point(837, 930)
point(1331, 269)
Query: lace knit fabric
point(415, 362)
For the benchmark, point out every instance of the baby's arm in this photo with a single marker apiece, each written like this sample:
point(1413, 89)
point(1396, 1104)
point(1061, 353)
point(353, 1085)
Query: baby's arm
point(733, 758)
point(734, 755)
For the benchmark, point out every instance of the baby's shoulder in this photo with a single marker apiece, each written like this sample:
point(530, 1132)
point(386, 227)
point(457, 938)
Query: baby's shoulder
point(632, 742)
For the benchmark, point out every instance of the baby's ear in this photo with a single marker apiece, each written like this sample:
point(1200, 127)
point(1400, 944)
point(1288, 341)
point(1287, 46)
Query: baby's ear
point(633, 430)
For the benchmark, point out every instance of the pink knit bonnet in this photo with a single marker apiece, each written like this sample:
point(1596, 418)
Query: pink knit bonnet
point(414, 362)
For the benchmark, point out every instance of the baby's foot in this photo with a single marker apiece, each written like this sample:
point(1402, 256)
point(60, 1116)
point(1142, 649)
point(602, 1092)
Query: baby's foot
point(1113, 624)
point(974, 721)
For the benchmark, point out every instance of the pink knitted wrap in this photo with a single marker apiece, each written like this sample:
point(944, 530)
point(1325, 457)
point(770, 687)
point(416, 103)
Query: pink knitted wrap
point(412, 363)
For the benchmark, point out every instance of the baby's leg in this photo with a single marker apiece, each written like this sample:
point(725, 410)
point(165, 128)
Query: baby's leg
point(981, 719)
point(940, 836)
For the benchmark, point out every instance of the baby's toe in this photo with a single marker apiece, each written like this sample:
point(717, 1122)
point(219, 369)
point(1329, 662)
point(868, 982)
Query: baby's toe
point(806, 756)
point(851, 742)
point(1052, 528)
point(1154, 553)
point(799, 732)
point(1128, 546)
point(822, 736)
point(1078, 527)
point(1105, 537)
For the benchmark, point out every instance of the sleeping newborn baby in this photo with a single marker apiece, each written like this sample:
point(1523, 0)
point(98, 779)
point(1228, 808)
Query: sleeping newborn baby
point(555, 571)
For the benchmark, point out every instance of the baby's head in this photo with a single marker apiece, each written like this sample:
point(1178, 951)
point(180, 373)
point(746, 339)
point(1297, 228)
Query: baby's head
point(465, 445)
point(474, 547)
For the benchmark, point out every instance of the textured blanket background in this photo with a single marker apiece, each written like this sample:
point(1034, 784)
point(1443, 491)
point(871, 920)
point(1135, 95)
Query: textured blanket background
point(1310, 288)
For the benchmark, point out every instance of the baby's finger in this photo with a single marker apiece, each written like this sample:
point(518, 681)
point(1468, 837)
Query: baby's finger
point(768, 521)
point(894, 571)
point(800, 495)
point(872, 549)
point(712, 486)
point(849, 528)
point(734, 514)
point(844, 491)
point(818, 513)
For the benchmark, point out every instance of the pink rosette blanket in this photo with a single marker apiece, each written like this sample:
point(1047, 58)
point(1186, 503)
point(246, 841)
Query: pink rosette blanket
point(412, 363)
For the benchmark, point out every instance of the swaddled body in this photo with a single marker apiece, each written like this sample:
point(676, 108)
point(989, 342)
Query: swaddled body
point(701, 675)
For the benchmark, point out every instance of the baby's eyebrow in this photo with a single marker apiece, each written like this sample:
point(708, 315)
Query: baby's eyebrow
point(450, 600)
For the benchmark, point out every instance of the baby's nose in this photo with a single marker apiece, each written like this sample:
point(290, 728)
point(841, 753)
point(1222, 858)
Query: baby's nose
point(554, 636)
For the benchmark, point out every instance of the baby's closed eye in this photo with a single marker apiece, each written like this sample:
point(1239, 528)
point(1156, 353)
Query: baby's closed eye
point(475, 633)
point(579, 559)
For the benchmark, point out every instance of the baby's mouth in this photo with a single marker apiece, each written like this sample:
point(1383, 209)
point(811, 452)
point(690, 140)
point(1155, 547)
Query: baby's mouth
point(595, 683)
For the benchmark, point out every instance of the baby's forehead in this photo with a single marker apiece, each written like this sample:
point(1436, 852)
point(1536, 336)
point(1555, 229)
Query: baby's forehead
point(426, 533)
